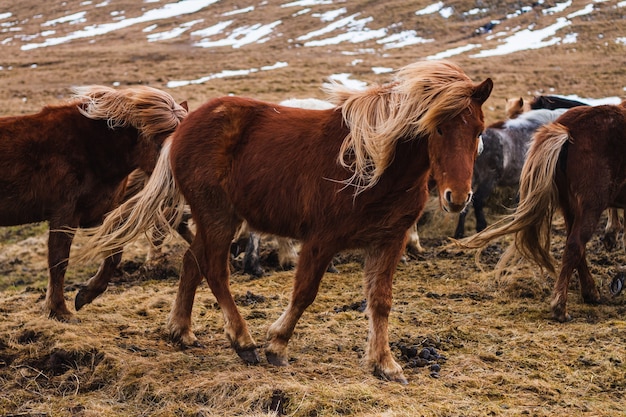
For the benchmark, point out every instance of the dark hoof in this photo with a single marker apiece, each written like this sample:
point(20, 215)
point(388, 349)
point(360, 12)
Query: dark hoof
point(83, 297)
point(562, 318)
point(254, 271)
point(66, 317)
point(609, 241)
point(249, 356)
point(275, 360)
point(617, 284)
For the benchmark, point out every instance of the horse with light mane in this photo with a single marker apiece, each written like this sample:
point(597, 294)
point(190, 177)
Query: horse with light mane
point(69, 163)
point(575, 165)
point(350, 177)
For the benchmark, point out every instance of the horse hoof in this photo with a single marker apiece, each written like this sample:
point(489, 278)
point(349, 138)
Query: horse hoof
point(82, 298)
point(275, 359)
point(396, 377)
point(609, 242)
point(65, 317)
point(250, 356)
point(617, 284)
point(562, 317)
point(253, 271)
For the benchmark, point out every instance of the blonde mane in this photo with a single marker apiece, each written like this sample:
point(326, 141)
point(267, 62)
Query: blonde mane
point(421, 96)
point(149, 110)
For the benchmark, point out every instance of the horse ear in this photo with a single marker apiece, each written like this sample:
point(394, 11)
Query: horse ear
point(184, 105)
point(482, 91)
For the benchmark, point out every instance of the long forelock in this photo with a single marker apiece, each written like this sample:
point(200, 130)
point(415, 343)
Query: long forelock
point(149, 110)
point(422, 96)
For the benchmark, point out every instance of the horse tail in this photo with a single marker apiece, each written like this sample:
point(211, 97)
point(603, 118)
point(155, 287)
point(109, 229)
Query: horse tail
point(531, 223)
point(158, 206)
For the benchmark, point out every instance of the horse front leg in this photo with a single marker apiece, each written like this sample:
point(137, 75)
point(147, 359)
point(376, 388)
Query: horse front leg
point(312, 264)
point(59, 243)
point(380, 264)
point(99, 282)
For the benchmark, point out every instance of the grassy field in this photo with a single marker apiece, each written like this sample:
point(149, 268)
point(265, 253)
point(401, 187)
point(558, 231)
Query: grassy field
point(496, 350)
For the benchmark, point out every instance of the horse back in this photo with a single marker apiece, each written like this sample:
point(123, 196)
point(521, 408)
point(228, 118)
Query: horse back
point(593, 159)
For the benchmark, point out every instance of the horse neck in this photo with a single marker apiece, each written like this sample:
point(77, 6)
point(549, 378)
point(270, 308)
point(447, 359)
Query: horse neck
point(112, 153)
point(410, 165)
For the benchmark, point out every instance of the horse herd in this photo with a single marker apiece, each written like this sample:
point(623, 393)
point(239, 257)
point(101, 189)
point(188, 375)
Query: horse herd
point(355, 175)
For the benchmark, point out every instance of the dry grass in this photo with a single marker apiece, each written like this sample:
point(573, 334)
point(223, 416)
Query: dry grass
point(503, 354)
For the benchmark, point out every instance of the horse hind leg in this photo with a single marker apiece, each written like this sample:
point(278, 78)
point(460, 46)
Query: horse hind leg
point(574, 253)
point(613, 226)
point(588, 289)
point(99, 282)
point(208, 256)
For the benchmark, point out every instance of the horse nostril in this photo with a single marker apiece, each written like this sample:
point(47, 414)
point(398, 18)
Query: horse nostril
point(448, 196)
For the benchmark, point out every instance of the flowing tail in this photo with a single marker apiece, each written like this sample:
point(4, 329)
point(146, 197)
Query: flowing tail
point(531, 223)
point(159, 206)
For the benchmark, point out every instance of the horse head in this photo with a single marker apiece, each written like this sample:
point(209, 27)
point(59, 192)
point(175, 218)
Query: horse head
point(153, 113)
point(453, 147)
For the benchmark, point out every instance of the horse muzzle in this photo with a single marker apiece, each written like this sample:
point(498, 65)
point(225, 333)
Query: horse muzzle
point(454, 202)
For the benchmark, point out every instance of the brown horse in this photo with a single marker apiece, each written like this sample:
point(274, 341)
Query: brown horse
point(69, 163)
point(575, 164)
point(344, 178)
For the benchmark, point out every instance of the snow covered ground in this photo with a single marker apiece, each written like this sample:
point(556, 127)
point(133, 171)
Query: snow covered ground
point(336, 27)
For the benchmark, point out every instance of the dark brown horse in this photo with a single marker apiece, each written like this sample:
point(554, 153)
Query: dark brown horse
point(577, 165)
point(350, 177)
point(69, 163)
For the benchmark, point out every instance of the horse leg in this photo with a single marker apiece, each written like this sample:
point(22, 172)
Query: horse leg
point(588, 289)
point(459, 232)
point(59, 243)
point(179, 321)
point(183, 229)
point(380, 265)
point(208, 256)
point(287, 254)
point(252, 260)
point(99, 282)
point(579, 231)
point(413, 245)
point(312, 264)
point(613, 225)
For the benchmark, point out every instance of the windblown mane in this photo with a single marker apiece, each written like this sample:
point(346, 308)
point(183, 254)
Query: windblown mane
point(149, 110)
point(421, 96)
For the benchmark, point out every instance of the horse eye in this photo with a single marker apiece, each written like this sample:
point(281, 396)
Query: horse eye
point(439, 131)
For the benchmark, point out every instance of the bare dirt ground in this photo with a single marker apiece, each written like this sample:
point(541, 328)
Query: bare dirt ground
point(491, 346)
